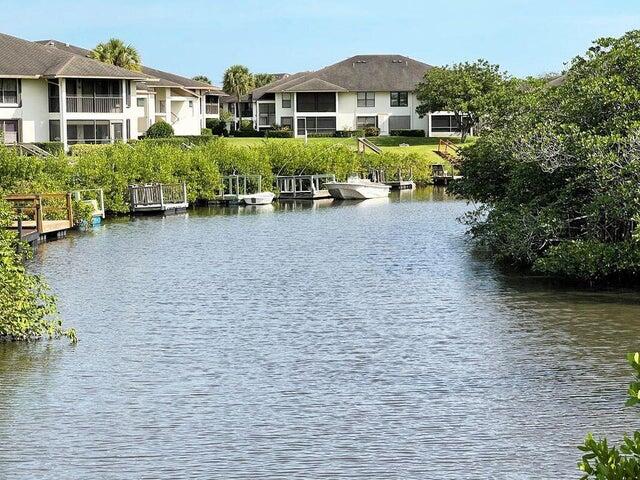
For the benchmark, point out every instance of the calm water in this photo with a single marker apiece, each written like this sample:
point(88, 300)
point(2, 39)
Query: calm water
point(341, 341)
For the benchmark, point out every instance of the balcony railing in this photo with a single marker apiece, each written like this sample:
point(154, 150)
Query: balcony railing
point(211, 108)
point(80, 104)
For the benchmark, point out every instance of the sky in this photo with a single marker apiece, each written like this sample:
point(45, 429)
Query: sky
point(205, 36)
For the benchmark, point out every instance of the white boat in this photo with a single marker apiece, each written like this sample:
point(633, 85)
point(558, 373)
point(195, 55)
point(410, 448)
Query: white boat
point(356, 188)
point(260, 198)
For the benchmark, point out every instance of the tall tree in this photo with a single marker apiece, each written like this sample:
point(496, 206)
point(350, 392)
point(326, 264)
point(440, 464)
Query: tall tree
point(237, 81)
point(117, 53)
point(202, 78)
point(459, 89)
point(262, 79)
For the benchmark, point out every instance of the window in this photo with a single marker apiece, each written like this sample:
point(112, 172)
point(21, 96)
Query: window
point(286, 122)
point(128, 93)
point(54, 131)
point(366, 99)
point(246, 110)
point(266, 114)
point(93, 132)
point(286, 100)
point(316, 102)
point(399, 122)
point(9, 131)
point(128, 123)
point(325, 125)
point(444, 124)
point(399, 99)
point(9, 90)
point(140, 101)
point(364, 122)
point(54, 96)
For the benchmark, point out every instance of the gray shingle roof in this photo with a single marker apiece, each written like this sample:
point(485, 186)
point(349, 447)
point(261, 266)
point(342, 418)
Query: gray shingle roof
point(360, 73)
point(166, 79)
point(22, 58)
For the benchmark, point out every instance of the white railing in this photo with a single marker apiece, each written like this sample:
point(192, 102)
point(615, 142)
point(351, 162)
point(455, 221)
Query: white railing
point(82, 104)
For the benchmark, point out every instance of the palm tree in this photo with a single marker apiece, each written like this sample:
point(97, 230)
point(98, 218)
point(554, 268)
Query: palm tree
point(117, 53)
point(202, 78)
point(239, 82)
point(262, 79)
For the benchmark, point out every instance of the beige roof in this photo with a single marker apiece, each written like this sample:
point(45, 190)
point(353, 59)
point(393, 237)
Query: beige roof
point(166, 79)
point(357, 74)
point(22, 58)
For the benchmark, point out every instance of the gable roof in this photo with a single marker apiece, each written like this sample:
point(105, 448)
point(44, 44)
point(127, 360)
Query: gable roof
point(166, 79)
point(25, 59)
point(359, 73)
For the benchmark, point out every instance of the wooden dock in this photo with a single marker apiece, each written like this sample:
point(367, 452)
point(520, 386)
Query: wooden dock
point(398, 181)
point(303, 187)
point(440, 174)
point(41, 217)
point(158, 198)
point(448, 151)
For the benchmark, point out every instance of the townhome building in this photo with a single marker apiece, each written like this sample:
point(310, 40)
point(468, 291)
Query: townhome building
point(182, 102)
point(361, 91)
point(47, 94)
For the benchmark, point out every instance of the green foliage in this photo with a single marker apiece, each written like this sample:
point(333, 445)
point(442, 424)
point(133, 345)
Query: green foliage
point(279, 133)
point(117, 53)
point(349, 133)
point(407, 133)
point(262, 79)
point(600, 461)
point(217, 127)
point(206, 132)
point(202, 78)
point(461, 89)
point(371, 131)
point(55, 148)
point(557, 169)
point(28, 309)
point(160, 129)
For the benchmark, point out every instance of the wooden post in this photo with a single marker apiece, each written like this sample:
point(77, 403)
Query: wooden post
point(102, 202)
point(69, 210)
point(184, 192)
point(19, 227)
point(161, 196)
point(37, 203)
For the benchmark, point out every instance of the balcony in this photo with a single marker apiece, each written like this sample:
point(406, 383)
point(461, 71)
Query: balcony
point(211, 108)
point(86, 104)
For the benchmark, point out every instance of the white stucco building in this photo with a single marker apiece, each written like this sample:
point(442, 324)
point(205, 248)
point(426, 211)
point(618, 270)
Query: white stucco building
point(52, 92)
point(361, 91)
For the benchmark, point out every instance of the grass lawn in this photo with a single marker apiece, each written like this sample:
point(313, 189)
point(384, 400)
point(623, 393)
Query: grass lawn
point(420, 145)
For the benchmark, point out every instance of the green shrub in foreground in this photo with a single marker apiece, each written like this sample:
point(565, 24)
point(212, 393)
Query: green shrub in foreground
point(160, 129)
point(27, 310)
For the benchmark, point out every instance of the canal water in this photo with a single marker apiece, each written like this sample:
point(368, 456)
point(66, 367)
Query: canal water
point(334, 340)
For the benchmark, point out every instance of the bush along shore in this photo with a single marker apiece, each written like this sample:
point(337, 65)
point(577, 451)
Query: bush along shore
point(115, 167)
point(557, 170)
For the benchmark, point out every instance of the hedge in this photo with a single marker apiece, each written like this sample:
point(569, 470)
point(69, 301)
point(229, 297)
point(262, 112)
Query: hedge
point(407, 133)
point(349, 133)
point(281, 133)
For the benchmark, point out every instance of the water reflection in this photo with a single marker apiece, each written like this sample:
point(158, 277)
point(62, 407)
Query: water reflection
point(313, 339)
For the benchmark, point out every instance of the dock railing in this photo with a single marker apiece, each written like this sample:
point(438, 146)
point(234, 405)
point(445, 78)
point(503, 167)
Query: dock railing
point(295, 185)
point(447, 149)
point(158, 196)
point(239, 184)
point(93, 197)
point(41, 214)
